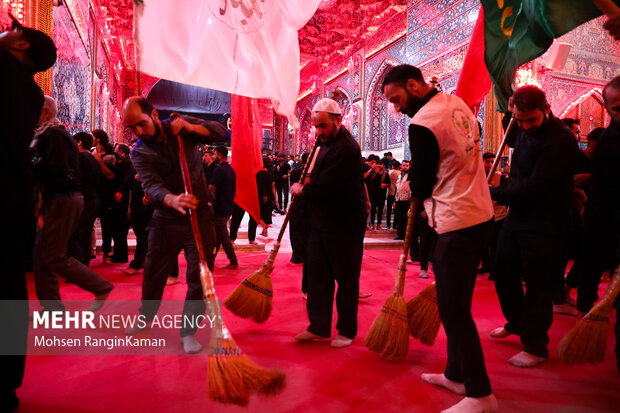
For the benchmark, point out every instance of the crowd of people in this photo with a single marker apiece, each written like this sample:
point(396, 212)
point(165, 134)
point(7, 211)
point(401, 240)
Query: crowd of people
point(557, 203)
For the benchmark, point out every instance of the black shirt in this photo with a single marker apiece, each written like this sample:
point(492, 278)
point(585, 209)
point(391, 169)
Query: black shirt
point(296, 175)
point(373, 183)
point(157, 164)
point(225, 181)
point(538, 191)
point(21, 101)
point(56, 162)
point(209, 170)
point(336, 196)
point(281, 171)
point(264, 181)
point(91, 175)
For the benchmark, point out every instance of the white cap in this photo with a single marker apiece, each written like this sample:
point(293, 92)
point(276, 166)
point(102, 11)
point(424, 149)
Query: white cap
point(327, 105)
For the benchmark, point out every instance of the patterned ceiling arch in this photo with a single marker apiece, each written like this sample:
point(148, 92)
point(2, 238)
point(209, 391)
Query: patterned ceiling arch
point(595, 92)
point(372, 136)
point(346, 98)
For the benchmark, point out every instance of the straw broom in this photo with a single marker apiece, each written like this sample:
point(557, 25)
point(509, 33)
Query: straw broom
point(231, 376)
point(422, 311)
point(423, 315)
point(254, 296)
point(388, 336)
point(586, 342)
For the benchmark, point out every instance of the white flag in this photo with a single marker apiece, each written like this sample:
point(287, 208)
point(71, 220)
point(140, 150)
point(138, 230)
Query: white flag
point(244, 47)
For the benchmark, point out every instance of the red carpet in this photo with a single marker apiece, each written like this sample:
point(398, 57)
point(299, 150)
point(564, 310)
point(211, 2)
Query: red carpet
point(319, 378)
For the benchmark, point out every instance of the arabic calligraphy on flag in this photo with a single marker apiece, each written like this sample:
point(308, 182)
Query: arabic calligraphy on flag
point(243, 47)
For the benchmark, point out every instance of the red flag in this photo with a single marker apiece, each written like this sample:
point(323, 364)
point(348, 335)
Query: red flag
point(247, 160)
point(474, 82)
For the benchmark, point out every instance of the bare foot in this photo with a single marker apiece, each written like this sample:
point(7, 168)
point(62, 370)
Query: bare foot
point(500, 332)
point(442, 381)
point(525, 359)
point(487, 404)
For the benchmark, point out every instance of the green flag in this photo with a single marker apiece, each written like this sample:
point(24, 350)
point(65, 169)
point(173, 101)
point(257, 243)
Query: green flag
point(518, 31)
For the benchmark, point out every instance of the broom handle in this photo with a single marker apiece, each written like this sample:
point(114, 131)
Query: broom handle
point(608, 7)
point(399, 288)
point(276, 247)
point(502, 146)
point(609, 298)
point(206, 277)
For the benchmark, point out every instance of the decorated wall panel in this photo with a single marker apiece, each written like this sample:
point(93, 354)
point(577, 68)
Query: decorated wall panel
point(434, 27)
point(70, 74)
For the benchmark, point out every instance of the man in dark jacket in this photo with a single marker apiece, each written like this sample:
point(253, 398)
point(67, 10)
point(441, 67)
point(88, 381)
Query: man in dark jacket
point(157, 163)
point(532, 238)
point(336, 204)
point(79, 245)
point(23, 52)
point(57, 174)
point(222, 185)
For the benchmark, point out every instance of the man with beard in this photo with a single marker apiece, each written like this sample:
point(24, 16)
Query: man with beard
point(532, 241)
point(447, 175)
point(156, 161)
point(336, 206)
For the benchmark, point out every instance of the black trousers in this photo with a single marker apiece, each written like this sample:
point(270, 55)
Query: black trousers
point(601, 239)
point(299, 231)
point(400, 217)
point(489, 251)
point(106, 218)
point(79, 244)
point(455, 259)
point(427, 238)
point(333, 257)
point(282, 191)
point(140, 224)
point(222, 238)
point(534, 258)
point(235, 221)
point(14, 320)
point(120, 228)
point(166, 238)
point(62, 215)
point(388, 211)
point(376, 209)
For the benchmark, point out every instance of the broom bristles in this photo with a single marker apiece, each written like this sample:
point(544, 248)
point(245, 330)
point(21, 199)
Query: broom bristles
point(388, 336)
point(253, 297)
point(423, 316)
point(586, 342)
point(232, 376)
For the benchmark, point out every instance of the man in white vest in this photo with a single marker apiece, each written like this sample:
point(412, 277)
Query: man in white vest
point(447, 174)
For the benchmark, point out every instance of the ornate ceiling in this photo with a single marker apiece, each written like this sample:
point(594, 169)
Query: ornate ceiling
point(339, 29)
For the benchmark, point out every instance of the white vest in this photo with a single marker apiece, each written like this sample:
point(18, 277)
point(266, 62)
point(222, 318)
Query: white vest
point(461, 196)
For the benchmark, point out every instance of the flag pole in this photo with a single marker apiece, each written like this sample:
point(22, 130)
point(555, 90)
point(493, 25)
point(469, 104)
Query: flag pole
point(231, 375)
point(502, 146)
point(608, 7)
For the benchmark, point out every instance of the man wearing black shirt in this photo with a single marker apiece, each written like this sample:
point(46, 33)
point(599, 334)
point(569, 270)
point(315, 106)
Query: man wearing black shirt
point(108, 161)
point(209, 164)
point(281, 171)
point(23, 52)
point(120, 222)
point(79, 245)
point(57, 173)
point(602, 216)
point(447, 174)
point(223, 185)
point(532, 239)
point(157, 163)
point(298, 228)
point(336, 205)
